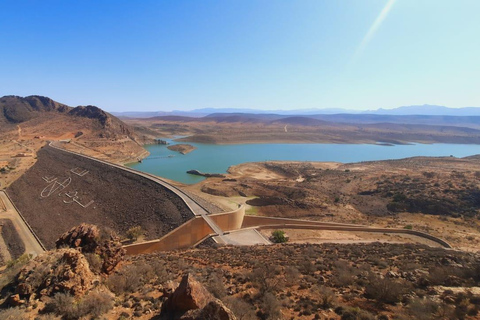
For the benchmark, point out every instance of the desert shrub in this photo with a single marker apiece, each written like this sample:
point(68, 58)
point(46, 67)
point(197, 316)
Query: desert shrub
point(444, 275)
point(20, 261)
point(423, 309)
point(325, 296)
point(270, 308)
point(343, 274)
point(11, 270)
point(129, 279)
point(96, 303)
point(160, 272)
point(95, 262)
point(241, 309)
point(63, 304)
point(13, 314)
point(408, 227)
point(356, 314)
point(278, 236)
point(385, 290)
point(428, 174)
point(215, 286)
point(292, 276)
point(265, 278)
point(134, 233)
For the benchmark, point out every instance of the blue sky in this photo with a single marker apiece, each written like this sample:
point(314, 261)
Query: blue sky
point(264, 54)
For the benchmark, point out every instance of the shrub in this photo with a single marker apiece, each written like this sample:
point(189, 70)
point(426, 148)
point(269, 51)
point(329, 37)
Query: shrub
point(325, 296)
point(385, 290)
point(278, 236)
point(216, 287)
point(94, 304)
point(134, 233)
point(13, 314)
point(271, 307)
point(241, 309)
point(95, 262)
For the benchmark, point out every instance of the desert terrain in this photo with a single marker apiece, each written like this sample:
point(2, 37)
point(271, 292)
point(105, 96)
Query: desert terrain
point(320, 274)
point(435, 195)
point(260, 128)
point(27, 124)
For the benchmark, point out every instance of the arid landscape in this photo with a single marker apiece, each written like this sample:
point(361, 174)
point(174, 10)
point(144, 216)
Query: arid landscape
point(319, 274)
point(258, 128)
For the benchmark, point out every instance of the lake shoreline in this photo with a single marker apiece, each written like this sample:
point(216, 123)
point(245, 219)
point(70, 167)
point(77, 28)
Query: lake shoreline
point(218, 158)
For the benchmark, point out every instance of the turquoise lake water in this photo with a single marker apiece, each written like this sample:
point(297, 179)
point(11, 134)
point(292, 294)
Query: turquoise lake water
point(212, 158)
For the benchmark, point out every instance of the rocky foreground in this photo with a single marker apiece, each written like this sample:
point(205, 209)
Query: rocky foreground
point(89, 277)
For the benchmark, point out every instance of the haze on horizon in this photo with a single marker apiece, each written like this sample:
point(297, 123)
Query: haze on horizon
point(184, 55)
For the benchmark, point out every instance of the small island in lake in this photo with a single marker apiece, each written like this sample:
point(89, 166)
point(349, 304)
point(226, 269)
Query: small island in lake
point(182, 148)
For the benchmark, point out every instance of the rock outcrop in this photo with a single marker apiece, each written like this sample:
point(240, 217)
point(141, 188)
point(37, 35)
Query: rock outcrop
point(191, 301)
point(63, 270)
point(88, 239)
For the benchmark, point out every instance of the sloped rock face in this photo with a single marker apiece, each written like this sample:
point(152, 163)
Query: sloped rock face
point(63, 270)
point(14, 109)
point(191, 301)
point(111, 123)
point(84, 236)
point(88, 239)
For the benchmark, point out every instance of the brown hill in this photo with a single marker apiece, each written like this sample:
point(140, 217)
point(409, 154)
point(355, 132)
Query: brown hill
point(27, 123)
point(14, 109)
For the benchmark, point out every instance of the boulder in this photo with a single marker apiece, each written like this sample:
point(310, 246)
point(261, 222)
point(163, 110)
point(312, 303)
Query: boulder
point(63, 270)
point(191, 301)
point(189, 295)
point(88, 239)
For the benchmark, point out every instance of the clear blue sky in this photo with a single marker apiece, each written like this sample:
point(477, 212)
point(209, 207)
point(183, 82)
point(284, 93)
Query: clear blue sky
point(165, 55)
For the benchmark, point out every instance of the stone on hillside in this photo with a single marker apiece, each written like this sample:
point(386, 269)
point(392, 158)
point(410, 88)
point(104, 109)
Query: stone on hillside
point(189, 295)
point(84, 236)
point(214, 310)
point(191, 301)
point(87, 238)
point(63, 270)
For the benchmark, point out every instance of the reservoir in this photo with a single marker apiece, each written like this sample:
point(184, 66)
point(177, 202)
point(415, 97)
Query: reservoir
point(214, 158)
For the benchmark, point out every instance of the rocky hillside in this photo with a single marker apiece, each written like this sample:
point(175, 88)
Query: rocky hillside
point(90, 129)
point(14, 109)
point(88, 277)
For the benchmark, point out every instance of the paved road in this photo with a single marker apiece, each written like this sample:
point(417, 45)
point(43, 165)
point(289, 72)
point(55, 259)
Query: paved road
point(32, 245)
point(194, 206)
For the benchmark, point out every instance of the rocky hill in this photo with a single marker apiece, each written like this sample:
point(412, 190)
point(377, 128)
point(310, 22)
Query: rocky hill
point(289, 281)
point(33, 120)
point(14, 109)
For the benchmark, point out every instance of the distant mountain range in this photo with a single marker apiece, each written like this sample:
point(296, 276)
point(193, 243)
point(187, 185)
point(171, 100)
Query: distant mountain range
point(428, 110)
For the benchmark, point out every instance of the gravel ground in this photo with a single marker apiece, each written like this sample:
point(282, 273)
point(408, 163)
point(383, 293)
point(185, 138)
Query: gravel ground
point(121, 199)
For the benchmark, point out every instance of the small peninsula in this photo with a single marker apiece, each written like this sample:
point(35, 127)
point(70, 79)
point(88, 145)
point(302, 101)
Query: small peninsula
point(182, 148)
